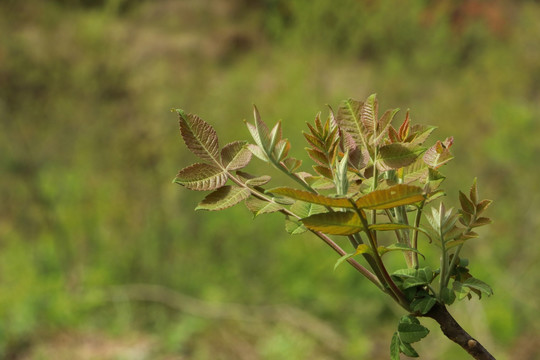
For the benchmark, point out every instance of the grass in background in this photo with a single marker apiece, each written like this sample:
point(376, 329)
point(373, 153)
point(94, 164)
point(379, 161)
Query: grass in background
point(89, 150)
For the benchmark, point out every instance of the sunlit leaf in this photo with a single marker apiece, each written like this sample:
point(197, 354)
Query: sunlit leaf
point(223, 198)
point(200, 137)
point(235, 155)
point(393, 196)
point(395, 156)
point(311, 197)
point(281, 149)
point(201, 177)
point(253, 180)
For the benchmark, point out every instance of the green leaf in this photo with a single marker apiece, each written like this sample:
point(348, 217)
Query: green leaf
point(294, 227)
point(460, 290)
point(200, 137)
point(342, 259)
point(259, 207)
point(311, 197)
point(394, 347)
point(448, 296)
point(408, 350)
point(335, 223)
point(474, 283)
point(396, 247)
point(281, 149)
point(411, 332)
point(304, 209)
point(235, 155)
point(423, 305)
point(393, 196)
point(201, 177)
point(223, 198)
point(395, 156)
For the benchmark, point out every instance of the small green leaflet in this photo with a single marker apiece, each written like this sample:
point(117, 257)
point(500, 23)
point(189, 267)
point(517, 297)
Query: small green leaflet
point(223, 198)
point(423, 304)
point(294, 227)
point(394, 347)
point(258, 206)
point(361, 249)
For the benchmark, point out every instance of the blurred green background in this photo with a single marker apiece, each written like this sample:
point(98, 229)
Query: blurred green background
point(101, 257)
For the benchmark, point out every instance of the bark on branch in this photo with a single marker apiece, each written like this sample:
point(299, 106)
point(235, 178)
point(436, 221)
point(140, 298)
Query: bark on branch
point(457, 334)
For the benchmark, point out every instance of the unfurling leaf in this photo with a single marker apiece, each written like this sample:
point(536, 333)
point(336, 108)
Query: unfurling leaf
point(200, 137)
point(311, 197)
point(223, 198)
point(292, 164)
point(201, 177)
point(235, 155)
point(393, 196)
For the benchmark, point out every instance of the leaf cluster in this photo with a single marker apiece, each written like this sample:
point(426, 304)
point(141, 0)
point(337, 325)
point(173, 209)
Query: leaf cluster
point(370, 179)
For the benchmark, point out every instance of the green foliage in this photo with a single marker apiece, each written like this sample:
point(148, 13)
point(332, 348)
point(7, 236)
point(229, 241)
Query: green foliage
point(376, 158)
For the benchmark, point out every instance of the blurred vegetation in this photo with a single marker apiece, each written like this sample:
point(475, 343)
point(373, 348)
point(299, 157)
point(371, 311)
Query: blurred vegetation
point(89, 150)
